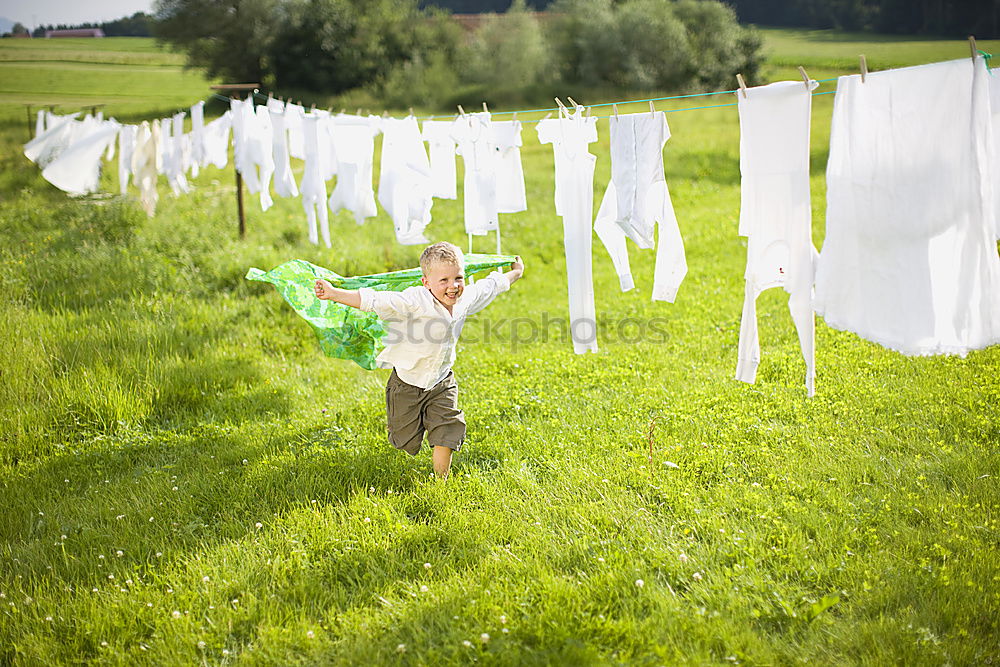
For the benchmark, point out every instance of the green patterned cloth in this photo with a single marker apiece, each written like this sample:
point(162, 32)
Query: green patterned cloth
point(342, 331)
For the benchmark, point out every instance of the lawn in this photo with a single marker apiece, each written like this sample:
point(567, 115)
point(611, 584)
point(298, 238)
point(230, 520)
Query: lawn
point(187, 480)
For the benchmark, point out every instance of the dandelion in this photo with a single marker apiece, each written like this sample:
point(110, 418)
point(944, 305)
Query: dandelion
point(111, 576)
point(424, 589)
point(94, 590)
point(225, 651)
point(600, 560)
point(310, 634)
point(100, 557)
point(174, 489)
point(682, 557)
point(62, 537)
point(119, 553)
point(201, 645)
point(696, 576)
point(151, 519)
point(259, 524)
point(128, 581)
point(48, 618)
point(505, 631)
point(159, 554)
point(484, 638)
point(368, 520)
point(170, 590)
point(175, 614)
point(466, 643)
point(205, 579)
point(427, 566)
point(236, 601)
point(245, 462)
point(639, 583)
point(149, 604)
point(104, 644)
point(503, 619)
point(401, 648)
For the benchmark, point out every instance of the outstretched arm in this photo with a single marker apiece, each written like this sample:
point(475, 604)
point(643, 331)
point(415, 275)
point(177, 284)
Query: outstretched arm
point(348, 297)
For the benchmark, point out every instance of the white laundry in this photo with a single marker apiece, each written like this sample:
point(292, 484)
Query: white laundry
point(216, 141)
point(294, 116)
point(173, 155)
point(354, 147)
point(77, 170)
point(47, 146)
point(637, 198)
point(262, 153)
point(474, 135)
point(165, 145)
point(910, 257)
point(144, 165)
point(126, 146)
point(313, 186)
point(109, 152)
point(197, 138)
point(40, 123)
point(284, 180)
point(404, 187)
point(510, 174)
point(437, 134)
point(244, 125)
point(574, 198)
point(775, 214)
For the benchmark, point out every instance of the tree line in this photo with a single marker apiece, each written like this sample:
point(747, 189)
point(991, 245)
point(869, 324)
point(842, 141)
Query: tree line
point(137, 25)
point(405, 54)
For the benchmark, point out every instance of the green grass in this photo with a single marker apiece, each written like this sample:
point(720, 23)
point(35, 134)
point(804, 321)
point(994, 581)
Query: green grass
point(179, 464)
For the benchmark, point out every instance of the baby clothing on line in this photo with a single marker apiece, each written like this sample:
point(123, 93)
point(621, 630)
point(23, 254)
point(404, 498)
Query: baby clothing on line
point(570, 135)
point(910, 258)
point(511, 196)
point(126, 146)
point(294, 118)
point(474, 136)
point(354, 146)
point(216, 141)
point(437, 134)
point(313, 185)
point(197, 138)
point(776, 215)
point(77, 170)
point(636, 198)
point(145, 166)
point(404, 188)
point(284, 180)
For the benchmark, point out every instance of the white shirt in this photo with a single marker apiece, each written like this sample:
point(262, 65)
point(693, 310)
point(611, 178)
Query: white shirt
point(422, 334)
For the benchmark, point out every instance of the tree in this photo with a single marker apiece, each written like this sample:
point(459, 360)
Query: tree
point(229, 38)
point(18, 29)
point(507, 53)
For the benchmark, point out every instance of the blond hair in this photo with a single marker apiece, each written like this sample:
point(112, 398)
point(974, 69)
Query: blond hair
point(443, 252)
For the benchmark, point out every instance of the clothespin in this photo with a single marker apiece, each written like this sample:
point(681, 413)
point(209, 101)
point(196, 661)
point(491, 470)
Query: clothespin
point(359, 111)
point(561, 105)
point(342, 110)
point(805, 77)
point(461, 111)
point(972, 47)
point(614, 108)
point(385, 114)
point(652, 109)
point(486, 108)
point(514, 117)
point(312, 108)
point(864, 68)
point(743, 84)
point(411, 111)
point(270, 96)
point(572, 101)
point(588, 111)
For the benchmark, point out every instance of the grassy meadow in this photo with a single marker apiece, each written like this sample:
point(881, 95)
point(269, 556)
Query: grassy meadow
point(185, 479)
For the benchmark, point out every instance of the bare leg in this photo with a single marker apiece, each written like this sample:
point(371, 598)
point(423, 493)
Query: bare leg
point(442, 461)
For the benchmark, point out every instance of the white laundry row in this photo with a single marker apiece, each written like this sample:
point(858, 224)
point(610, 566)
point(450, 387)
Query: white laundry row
point(910, 258)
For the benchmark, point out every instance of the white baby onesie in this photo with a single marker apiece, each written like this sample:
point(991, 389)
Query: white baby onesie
point(775, 214)
point(910, 258)
point(437, 134)
point(574, 198)
point(636, 198)
point(474, 135)
point(284, 180)
point(510, 174)
point(313, 185)
point(354, 146)
point(404, 188)
point(197, 138)
point(294, 117)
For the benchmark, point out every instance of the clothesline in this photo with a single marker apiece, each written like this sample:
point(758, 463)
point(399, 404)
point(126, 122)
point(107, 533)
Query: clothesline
point(602, 104)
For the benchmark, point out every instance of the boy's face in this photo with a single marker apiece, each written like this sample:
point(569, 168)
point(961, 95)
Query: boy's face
point(445, 281)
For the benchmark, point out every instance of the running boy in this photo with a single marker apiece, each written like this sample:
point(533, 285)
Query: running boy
point(424, 324)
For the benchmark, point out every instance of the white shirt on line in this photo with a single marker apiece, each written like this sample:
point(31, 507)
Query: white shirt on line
point(422, 335)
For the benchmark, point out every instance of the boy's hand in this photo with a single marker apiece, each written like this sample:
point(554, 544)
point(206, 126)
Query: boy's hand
point(517, 265)
point(324, 290)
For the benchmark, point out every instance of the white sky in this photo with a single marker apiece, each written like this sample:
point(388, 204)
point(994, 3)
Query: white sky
point(45, 12)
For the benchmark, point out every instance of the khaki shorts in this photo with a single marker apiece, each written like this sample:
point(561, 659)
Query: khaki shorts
point(411, 410)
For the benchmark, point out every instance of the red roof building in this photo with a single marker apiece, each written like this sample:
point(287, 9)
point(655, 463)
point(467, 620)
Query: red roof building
point(80, 32)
